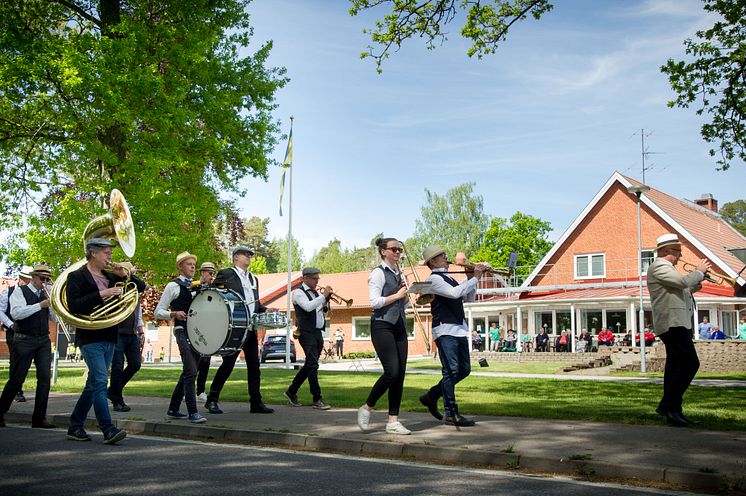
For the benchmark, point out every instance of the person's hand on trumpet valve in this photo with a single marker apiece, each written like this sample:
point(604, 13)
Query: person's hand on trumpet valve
point(327, 291)
point(703, 266)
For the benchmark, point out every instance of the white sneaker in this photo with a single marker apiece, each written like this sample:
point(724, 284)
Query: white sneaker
point(363, 418)
point(202, 396)
point(397, 428)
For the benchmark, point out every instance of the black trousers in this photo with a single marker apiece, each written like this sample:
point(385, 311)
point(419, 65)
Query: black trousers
point(25, 349)
point(681, 367)
point(340, 348)
point(128, 346)
point(203, 368)
point(390, 342)
point(253, 374)
point(184, 389)
point(312, 343)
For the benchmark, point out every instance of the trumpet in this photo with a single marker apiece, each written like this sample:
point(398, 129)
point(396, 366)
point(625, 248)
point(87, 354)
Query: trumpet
point(334, 297)
point(713, 277)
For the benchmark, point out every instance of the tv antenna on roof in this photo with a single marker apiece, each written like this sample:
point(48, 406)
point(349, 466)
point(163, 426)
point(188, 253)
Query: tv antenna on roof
point(645, 152)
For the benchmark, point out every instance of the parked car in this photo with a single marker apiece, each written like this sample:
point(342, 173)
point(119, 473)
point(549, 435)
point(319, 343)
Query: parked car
point(273, 347)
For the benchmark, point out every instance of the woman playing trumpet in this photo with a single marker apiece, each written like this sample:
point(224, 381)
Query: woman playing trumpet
point(388, 297)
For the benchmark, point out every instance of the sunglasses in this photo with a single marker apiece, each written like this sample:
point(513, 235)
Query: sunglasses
point(395, 249)
point(45, 279)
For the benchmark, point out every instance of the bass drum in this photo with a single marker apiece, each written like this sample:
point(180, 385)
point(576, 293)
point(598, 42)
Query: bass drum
point(217, 322)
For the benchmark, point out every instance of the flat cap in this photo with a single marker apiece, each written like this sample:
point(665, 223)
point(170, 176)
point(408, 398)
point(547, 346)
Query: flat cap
point(310, 271)
point(242, 249)
point(98, 243)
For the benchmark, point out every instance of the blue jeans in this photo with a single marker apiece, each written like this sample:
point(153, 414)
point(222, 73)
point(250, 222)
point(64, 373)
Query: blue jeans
point(454, 358)
point(97, 358)
point(128, 346)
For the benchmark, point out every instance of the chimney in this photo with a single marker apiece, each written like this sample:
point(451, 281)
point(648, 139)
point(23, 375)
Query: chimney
point(707, 201)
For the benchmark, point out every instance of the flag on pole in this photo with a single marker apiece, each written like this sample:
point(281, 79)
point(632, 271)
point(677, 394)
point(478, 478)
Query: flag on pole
point(286, 164)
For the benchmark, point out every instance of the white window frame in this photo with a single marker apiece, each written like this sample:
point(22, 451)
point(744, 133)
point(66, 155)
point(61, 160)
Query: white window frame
point(645, 251)
point(589, 262)
point(355, 320)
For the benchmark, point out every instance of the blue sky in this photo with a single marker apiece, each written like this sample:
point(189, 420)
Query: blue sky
point(539, 126)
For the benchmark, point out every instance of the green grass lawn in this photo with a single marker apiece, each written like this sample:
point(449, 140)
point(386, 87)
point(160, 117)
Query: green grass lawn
point(504, 367)
point(627, 403)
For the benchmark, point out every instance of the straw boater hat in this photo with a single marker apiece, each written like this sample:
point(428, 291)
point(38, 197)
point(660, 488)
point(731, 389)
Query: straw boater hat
point(207, 266)
point(41, 270)
point(184, 255)
point(668, 240)
point(431, 252)
point(25, 272)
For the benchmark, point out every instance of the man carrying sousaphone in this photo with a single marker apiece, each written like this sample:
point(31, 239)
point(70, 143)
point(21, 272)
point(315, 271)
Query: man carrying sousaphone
point(239, 279)
point(451, 333)
point(174, 304)
point(87, 288)
point(310, 310)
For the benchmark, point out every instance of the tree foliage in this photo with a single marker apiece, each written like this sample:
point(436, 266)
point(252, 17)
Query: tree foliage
point(735, 213)
point(456, 221)
point(715, 80)
point(277, 261)
point(486, 24)
point(149, 96)
point(333, 259)
point(523, 234)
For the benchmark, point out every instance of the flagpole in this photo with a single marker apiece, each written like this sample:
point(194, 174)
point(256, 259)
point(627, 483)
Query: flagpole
point(288, 334)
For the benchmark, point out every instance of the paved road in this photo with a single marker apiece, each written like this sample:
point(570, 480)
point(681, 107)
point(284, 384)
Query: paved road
point(42, 462)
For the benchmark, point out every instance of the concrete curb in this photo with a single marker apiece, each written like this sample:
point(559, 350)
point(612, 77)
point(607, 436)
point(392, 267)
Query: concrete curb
point(585, 469)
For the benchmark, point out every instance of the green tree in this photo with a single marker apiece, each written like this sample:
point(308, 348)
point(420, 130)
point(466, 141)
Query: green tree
point(278, 259)
point(486, 25)
point(256, 235)
point(523, 234)
point(456, 221)
point(258, 265)
point(715, 79)
point(333, 259)
point(153, 97)
point(735, 214)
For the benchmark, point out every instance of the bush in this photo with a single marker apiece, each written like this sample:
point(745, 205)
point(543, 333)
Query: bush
point(359, 354)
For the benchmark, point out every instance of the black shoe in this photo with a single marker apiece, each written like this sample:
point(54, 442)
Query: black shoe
point(432, 406)
point(675, 420)
point(688, 420)
point(2, 421)
point(660, 411)
point(260, 407)
point(121, 407)
point(292, 398)
point(459, 421)
point(78, 434)
point(20, 398)
point(43, 425)
point(212, 407)
point(114, 435)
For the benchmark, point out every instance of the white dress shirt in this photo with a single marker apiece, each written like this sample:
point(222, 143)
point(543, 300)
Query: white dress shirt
point(466, 289)
point(376, 281)
point(300, 299)
point(170, 293)
point(20, 310)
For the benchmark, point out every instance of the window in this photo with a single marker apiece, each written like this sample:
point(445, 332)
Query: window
point(361, 328)
point(326, 332)
point(590, 266)
point(646, 257)
point(151, 331)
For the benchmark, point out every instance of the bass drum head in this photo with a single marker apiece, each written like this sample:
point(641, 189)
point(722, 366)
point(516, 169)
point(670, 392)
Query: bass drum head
point(208, 322)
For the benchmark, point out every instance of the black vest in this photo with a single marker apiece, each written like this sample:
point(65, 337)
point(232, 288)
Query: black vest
point(36, 324)
point(447, 310)
point(395, 311)
point(306, 321)
point(182, 302)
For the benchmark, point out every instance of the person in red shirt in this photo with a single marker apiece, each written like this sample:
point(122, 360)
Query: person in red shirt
point(605, 337)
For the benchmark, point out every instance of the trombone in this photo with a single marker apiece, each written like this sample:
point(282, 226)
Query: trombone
point(469, 267)
point(417, 287)
point(713, 277)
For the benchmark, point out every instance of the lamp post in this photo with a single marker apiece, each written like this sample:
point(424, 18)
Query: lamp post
point(638, 191)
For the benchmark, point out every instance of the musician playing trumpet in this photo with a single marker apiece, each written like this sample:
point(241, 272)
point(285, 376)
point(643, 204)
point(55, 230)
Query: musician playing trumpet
point(451, 333)
point(310, 317)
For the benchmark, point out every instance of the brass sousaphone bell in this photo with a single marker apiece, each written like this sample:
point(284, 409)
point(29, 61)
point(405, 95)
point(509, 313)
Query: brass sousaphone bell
point(117, 224)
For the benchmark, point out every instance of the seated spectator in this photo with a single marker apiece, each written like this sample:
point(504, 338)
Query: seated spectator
point(562, 343)
point(716, 333)
point(510, 341)
point(476, 341)
point(584, 342)
point(605, 337)
point(542, 340)
point(742, 329)
point(649, 337)
point(627, 339)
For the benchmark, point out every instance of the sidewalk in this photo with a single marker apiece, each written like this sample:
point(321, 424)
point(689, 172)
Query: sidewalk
point(682, 457)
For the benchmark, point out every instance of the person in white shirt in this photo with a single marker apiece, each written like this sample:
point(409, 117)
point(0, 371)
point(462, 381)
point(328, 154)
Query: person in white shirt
point(310, 317)
point(388, 297)
point(451, 333)
point(24, 277)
